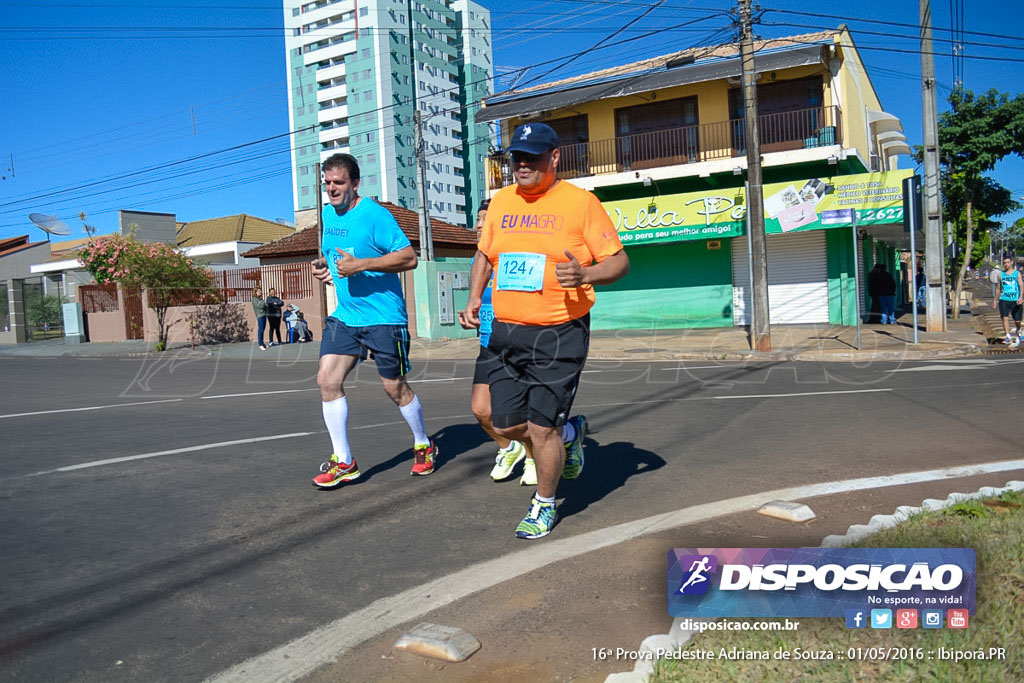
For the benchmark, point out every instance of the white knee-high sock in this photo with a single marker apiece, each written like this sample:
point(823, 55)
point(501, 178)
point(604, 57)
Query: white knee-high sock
point(413, 414)
point(336, 419)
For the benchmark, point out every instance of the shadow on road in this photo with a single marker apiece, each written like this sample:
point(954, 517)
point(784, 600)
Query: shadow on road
point(450, 442)
point(607, 467)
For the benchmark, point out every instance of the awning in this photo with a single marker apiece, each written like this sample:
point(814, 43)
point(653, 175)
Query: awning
point(884, 122)
point(507, 106)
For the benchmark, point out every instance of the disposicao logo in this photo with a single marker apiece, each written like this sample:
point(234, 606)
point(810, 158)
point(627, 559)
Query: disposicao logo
point(696, 581)
point(808, 582)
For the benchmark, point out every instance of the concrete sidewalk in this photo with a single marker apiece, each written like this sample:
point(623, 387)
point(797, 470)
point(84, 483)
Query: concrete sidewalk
point(822, 342)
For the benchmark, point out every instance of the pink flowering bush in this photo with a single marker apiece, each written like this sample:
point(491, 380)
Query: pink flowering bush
point(161, 269)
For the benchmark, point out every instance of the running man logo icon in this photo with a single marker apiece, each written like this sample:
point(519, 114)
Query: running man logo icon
point(526, 132)
point(695, 581)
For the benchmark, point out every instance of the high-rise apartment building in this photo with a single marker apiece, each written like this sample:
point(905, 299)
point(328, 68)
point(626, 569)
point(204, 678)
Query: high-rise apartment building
point(358, 70)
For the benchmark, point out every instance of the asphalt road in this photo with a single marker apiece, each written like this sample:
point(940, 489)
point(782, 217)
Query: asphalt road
point(157, 520)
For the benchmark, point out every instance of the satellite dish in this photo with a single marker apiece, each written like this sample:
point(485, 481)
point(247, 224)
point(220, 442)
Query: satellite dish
point(49, 224)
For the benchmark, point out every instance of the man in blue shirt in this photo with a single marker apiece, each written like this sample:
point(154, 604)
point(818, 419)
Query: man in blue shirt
point(363, 252)
point(1009, 298)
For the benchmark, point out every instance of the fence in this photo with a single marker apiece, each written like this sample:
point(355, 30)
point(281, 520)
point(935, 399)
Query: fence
point(98, 298)
point(291, 280)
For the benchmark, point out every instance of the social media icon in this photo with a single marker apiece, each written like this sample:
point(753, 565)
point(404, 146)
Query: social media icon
point(957, 618)
point(881, 618)
point(856, 618)
point(931, 618)
point(906, 618)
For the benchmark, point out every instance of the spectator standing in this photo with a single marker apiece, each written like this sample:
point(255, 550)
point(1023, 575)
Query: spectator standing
point(259, 308)
point(274, 306)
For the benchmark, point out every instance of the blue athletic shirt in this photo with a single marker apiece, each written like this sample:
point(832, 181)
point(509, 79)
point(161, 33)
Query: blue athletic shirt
point(366, 231)
point(486, 313)
point(1011, 290)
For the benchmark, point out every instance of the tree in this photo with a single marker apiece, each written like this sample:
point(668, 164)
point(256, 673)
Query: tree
point(974, 135)
point(159, 268)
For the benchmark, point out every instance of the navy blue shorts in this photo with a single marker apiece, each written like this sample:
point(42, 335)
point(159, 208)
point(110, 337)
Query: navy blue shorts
point(388, 345)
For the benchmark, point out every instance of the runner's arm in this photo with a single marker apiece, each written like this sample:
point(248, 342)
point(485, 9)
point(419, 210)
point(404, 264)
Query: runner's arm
point(392, 262)
point(479, 276)
point(613, 268)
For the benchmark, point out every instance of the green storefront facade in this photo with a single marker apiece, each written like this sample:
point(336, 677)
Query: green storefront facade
point(690, 264)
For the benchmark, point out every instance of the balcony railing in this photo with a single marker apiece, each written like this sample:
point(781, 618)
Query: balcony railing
point(783, 132)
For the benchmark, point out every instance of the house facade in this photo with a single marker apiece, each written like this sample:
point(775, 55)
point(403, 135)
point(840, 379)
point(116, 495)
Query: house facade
point(662, 144)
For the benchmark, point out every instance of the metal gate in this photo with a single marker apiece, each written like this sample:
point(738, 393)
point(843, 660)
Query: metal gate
point(43, 316)
point(133, 313)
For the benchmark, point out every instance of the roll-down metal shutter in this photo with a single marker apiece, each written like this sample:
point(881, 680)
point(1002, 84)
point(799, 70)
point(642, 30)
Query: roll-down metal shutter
point(797, 279)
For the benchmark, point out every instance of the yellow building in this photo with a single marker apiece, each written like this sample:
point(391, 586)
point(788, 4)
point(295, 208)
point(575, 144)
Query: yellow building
point(654, 137)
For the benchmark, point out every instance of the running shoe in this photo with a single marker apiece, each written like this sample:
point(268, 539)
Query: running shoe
point(506, 460)
point(539, 520)
point(529, 477)
point(424, 459)
point(333, 473)
point(1008, 340)
point(574, 449)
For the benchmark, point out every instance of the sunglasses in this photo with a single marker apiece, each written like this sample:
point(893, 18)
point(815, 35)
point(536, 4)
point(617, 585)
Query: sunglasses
point(519, 157)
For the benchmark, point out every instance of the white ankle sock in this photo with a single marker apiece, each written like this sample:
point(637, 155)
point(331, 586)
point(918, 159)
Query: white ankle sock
point(543, 499)
point(413, 414)
point(336, 419)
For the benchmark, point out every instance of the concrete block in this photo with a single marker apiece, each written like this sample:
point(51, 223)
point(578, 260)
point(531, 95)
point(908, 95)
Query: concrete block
point(791, 512)
point(446, 643)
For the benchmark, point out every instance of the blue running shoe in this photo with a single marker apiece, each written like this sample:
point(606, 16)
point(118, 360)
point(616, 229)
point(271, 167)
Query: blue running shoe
point(574, 449)
point(539, 521)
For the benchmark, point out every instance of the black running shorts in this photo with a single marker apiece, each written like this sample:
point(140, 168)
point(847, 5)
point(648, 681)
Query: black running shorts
point(484, 362)
point(537, 372)
point(1010, 309)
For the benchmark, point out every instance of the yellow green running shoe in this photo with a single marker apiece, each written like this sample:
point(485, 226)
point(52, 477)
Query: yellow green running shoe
point(539, 520)
point(506, 460)
point(529, 477)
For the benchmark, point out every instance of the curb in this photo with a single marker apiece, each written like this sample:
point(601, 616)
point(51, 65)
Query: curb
point(677, 637)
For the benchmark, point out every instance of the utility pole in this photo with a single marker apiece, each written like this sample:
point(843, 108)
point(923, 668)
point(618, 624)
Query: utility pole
point(760, 329)
point(935, 273)
point(426, 239)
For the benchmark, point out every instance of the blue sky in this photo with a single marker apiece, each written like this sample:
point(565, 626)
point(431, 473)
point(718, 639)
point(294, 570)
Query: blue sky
point(101, 95)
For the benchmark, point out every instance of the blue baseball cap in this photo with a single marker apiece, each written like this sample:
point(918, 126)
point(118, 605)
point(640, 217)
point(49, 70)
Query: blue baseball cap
point(533, 138)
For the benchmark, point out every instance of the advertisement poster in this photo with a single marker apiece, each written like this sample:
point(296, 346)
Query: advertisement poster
point(811, 204)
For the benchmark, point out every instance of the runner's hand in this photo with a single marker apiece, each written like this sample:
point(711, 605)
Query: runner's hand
point(465, 323)
point(472, 313)
point(321, 271)
point(570, 275)
point(346, 264)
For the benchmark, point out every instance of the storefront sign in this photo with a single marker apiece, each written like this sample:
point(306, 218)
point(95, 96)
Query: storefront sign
point(679, 217)
point(814, 204)
point(877, 199)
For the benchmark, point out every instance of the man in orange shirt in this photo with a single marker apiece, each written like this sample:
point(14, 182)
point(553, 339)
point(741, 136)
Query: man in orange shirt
point(547, 242)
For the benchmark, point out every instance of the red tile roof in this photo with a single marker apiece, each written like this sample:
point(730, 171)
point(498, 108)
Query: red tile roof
point(445, 235)
point(9, 245)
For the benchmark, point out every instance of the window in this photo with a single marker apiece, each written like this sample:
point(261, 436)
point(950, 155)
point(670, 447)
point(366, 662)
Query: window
point(363, 11)
point(371, 136)
point(367, 53)
point(304, 170)
point(305, 191)
point(371, 158)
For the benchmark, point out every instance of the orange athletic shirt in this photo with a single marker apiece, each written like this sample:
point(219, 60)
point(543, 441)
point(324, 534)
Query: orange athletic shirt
point(566, 217)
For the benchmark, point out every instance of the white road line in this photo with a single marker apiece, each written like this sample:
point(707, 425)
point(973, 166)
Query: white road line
point(77, 410)
point(157, 454)
point(805, 393)
point(261, 393)
point(327, 644)
point(699, 367)
point(443, 379)
point(934, 368)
